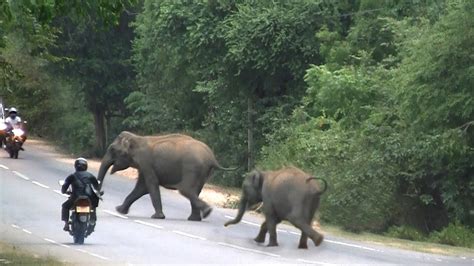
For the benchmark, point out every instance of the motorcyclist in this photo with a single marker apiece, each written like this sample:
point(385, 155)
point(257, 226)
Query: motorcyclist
point(13, 121)
point(79, 181)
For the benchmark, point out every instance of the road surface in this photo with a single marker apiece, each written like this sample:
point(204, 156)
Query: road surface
point(30, 219)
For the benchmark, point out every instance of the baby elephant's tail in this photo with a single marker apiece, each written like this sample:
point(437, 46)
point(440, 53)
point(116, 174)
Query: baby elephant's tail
point(322, 179)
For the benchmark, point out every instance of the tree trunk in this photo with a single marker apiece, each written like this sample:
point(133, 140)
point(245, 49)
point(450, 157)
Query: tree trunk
point(100, 131)
point(250, 140)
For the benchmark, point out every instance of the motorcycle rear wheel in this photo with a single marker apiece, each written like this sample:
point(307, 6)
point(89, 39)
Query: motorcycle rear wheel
point(79, 232)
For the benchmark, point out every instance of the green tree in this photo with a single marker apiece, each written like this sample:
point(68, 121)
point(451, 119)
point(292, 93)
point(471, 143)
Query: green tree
point(96, 58)
point(436, 107)
point(227, 59)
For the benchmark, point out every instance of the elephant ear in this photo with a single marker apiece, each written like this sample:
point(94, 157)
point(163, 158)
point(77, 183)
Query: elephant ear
point(257, 180)
point(128, 142)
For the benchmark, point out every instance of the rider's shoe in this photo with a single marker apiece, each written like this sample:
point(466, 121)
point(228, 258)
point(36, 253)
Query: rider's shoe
point(66, 227)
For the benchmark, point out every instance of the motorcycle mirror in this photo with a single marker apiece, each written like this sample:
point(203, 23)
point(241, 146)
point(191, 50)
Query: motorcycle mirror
point(61, 182)
point(26, 122)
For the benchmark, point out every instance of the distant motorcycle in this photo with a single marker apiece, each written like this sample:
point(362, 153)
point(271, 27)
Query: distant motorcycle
point(14, 141)
point(80, 217)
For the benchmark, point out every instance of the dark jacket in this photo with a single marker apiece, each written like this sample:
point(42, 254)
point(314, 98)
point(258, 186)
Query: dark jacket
point(79, 180)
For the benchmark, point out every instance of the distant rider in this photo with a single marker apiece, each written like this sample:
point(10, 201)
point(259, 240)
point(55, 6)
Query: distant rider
point(13, 121)
point(79, 180)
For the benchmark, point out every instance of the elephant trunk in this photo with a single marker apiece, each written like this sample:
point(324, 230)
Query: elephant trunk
point(104, 167)
point(240, 214)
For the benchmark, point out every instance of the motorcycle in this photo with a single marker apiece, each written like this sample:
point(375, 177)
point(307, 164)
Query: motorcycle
point(14, 141)
point(80, 220)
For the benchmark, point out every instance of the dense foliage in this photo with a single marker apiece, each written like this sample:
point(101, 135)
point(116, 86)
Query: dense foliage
point(375, 96)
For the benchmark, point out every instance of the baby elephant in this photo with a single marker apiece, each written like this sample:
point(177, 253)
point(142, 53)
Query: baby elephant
point(287, 194)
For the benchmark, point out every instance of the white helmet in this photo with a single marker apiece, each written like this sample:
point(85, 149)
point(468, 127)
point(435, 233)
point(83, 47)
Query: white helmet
point(12, 110)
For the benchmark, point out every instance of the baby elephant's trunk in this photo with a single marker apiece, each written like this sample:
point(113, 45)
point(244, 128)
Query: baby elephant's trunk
point(242, 208)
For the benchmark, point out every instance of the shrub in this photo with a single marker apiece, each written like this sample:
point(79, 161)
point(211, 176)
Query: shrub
point(455, 234)
point(405, 232)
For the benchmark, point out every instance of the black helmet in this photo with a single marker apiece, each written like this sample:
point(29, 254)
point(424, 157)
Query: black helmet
point(80, 164)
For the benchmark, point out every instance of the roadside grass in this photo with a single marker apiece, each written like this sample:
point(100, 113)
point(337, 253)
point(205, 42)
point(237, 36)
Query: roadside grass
point(11, 255)
point(371, 238)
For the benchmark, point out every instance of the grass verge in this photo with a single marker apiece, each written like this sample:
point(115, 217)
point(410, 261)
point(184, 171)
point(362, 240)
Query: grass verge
point(399, 243)
point(11, 255)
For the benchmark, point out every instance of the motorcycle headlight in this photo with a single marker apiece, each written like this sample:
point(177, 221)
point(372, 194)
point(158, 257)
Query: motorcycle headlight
point(3, 126)
point(18, 132)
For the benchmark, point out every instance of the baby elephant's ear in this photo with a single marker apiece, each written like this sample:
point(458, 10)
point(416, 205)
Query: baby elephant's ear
point(257, 179)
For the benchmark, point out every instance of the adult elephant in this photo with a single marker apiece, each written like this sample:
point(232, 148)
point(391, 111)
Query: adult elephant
point(287, 194)
point(173, 161)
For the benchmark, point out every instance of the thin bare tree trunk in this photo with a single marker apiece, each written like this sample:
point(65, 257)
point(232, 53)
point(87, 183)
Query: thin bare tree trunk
point(100, 131)
point(250, 140)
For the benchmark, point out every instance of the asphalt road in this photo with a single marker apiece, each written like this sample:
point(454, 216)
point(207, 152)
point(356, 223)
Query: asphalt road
point(30, 219)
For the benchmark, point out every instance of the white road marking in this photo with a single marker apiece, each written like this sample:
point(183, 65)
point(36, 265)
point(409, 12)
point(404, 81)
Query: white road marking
point(26, 231)
point(21, 175)
point(246, 222)
point(436, 259)
point(15, 226)
point(314, 262)
point(243, 221)
point(39, 184)
point(63, 245)
point(149, 224)
point(463, 258)
point(59, 192)
point(350, 245)
point(98, 256)
point(248, 249)
point(4, 167)
point(50, 240)
point(188, 235)
point(115, 214)
point(81, 250)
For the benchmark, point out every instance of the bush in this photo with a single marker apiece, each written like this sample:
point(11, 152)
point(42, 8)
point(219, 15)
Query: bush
point(455, 234)
point(405, 232)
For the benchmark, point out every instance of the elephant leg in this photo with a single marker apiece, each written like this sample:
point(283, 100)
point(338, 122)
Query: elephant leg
point(139, 190)
point(307, 230)
point(154, 189)
point(198, 206)
point(262, 234)
point(304, 237)
point(303, 241)
point(271, 226)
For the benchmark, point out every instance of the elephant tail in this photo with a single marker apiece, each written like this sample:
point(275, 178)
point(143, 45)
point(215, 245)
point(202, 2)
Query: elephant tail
point(218, 166)
point(322, 179)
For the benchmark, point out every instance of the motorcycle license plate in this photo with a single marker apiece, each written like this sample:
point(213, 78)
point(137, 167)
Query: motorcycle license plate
point(82, 209)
